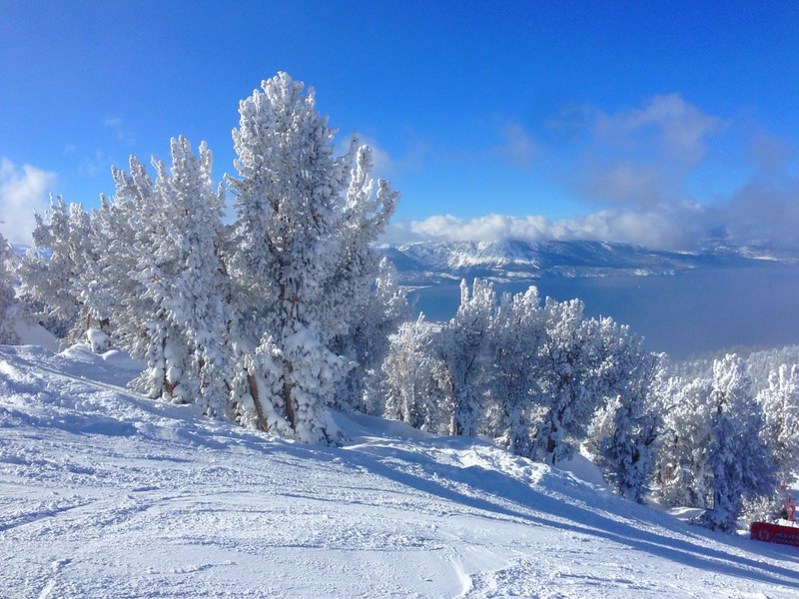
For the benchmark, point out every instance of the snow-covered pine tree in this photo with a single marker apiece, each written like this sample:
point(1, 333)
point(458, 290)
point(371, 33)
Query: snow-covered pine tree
point(162, 276)
point(7, 301)
point(682, 474)
point(302, 259)
point(412, 377)
point(465, 342)
point(740, 463)
point(134, 285)
point(780, 404)
point(188, 258)
point(122, 230)
point(54, 272)
point(365, 284)
point(516, 335)
point(366, 344)
point(566, 401)
point(624, 431)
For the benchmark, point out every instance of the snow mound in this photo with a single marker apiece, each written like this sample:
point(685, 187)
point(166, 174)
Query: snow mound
point(34, 334)
point(103, 491)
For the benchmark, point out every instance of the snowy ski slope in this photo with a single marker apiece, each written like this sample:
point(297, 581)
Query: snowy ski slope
point(104, 493)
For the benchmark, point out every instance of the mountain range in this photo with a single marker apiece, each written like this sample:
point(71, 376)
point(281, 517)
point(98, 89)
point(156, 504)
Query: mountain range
point(431, 262)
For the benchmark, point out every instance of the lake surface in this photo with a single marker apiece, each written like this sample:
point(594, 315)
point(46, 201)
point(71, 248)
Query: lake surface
point(685, 314)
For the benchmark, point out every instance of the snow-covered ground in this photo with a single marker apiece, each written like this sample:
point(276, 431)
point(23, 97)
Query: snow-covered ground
point(106, 494)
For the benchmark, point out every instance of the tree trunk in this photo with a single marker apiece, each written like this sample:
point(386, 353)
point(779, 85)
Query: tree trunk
point(552, 444)
point(288, 401)
point(454, 427)
point(454, 423)
point(259, 411)
point(166, 386)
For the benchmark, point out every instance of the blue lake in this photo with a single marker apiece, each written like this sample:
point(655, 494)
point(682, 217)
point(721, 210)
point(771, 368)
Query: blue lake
point(685, 314)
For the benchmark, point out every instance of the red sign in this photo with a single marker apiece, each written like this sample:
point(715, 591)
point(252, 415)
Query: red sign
point(774, 533)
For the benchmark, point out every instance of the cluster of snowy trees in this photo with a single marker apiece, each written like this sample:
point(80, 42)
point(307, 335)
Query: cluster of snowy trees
point(536, 377)
point(287, 311)
point(542, 380)
point(761, 364)
point(726, 448)
point(712, 431)
point(270, 319)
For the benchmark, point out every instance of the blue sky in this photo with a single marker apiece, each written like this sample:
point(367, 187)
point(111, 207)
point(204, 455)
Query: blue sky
point(655, 123)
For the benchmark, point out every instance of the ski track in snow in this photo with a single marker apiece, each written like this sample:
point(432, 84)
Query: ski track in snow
point(104, 493)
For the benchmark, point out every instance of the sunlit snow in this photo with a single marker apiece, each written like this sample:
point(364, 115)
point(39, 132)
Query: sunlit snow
point(106, 493)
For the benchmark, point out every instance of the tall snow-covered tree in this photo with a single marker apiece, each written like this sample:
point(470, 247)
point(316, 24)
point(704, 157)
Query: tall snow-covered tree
point(189, 259)
point(567, 403)
point(516, 335)
point(163, 280)
point(780, 403)
point(7, 307)
point(302, 260)
point(124, 231)
point(682, 473)
point(464, 346)
point(413, 381)
point(623, 434)
point(739, 461)
point(55, 272)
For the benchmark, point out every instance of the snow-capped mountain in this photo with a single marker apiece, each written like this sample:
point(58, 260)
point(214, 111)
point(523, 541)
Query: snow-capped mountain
point(436, 261)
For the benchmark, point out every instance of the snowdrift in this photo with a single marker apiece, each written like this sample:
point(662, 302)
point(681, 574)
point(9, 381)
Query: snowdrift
point(106, 493)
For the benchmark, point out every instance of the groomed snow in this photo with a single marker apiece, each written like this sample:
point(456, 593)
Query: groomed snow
point(104, 493)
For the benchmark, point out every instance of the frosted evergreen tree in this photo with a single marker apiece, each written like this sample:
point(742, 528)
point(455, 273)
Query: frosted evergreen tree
point(465, 345)
point(188, 258)
point(566, 400)
point(302, 261)
point(739, 461)
point(134, 288)
point(412, 377)
point(623, 434)
point(516, 333)
point(682, 472)
point(780, 404)
point(162, 276)
point(123, 229)
point(7, 301)
point(366, 344)
point(55, 272)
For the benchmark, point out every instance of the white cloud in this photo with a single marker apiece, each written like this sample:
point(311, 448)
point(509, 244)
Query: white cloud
point(492, 227)
point(518, 146)
point(641, 157)
point(634, 166)
point(485, 228)
point(115, 124)
point(23, 190)
point(764, 211)
point(388, 165)
point(678, 129)
point(676, 227)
